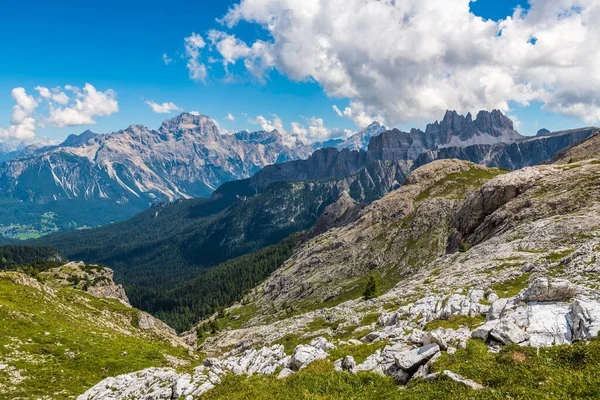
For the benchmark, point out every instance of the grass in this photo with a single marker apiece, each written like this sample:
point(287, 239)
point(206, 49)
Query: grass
point(563, 372)
point(511, 287)
point(455, 322)
point(555, 257)
point(40, 333)
point(317, 381)
point(359, 352)
point(368, 319)
point(457, 184)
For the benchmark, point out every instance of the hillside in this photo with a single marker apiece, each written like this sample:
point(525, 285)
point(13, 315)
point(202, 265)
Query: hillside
point(71, 327)
point(488, 288)
point(168, 244)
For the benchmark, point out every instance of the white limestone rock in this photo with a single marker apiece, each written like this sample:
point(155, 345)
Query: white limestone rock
point(411, 360)
point(586, 319)
point(507, 332)
point(542, 289)
point(549, 324)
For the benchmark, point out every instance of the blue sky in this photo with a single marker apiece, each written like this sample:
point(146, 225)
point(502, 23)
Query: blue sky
point(119, 45)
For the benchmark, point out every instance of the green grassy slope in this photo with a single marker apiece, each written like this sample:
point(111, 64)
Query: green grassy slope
point(57, 342)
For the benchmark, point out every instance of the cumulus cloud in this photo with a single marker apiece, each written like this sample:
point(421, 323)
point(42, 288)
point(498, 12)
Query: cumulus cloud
point(268, 125)
point(356, 113)
point(54, 94)
point(164, 108)
point(193, 44)
point(22, 123)
point(257, 58)
point(230, 117)
point(88, 103)
point(312, 130)
point(411, 59)
point(78, 109)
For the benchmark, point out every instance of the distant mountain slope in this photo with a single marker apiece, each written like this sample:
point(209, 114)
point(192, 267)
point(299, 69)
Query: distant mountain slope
point(94, 179)
point(186, 157)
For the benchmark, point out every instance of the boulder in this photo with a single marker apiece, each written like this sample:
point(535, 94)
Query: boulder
point(348, 363)
point(542, 289)
point(549, 324)
point(372, 363)
point(416, 336)
point(586, 319)
point(400, 377)
point(373, 336)
point(436, 336)
point(304, 355)
point(322, 344)
point(155, 382)
point(506, 332)
point(483, 331)
point(411, 360)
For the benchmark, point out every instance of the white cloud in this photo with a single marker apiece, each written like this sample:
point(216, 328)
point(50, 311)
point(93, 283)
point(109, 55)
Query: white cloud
point(356, 113)
point(54, 94)
point(230, 117)
point(89, 103)
point(194, 113)
point(257, 58)
point(193, 44)
point(166, 59)
point(44, 92)
point(411, 59)
point(197, 70)
point(268, 125)
point(312, 131)
point(22, 123)
point(164, 108)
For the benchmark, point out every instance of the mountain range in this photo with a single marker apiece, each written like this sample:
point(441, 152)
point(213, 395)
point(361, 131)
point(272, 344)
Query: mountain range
point(179, 241)
point(465, 281)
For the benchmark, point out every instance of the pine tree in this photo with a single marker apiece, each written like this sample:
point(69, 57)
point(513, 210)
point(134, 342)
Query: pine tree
point(372, 288)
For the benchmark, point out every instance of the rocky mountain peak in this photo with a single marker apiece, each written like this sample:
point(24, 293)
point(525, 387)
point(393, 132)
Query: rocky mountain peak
point(190, 123)
point(494, 123)
point(488, 127)
point(360, 140)
point(77, 140)
point(542, 132)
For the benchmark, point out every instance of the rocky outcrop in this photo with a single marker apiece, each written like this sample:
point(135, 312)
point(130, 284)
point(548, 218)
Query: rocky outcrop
point(344, 211)
point(378, 238)
point(548, 312)
point(94, 279)
point(586, 150)
point(166, 383)
point(454, 130)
